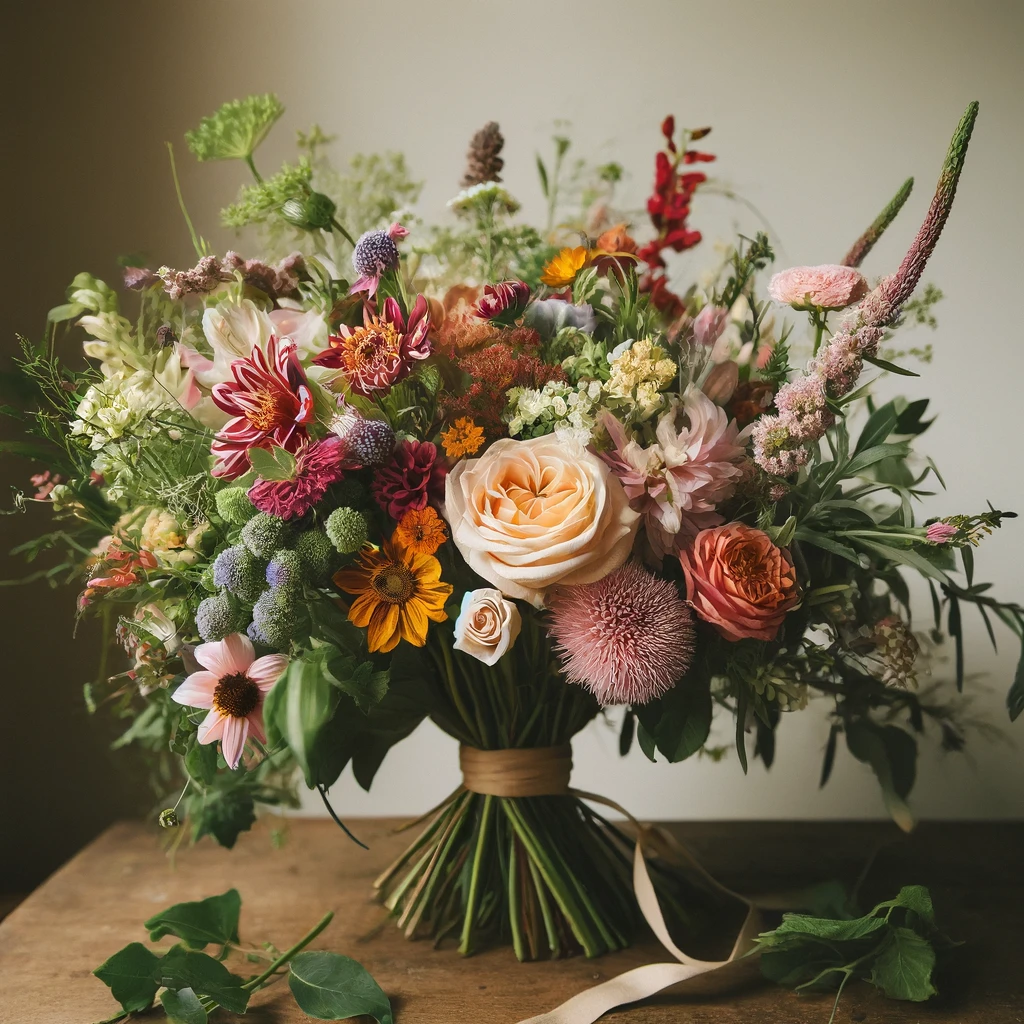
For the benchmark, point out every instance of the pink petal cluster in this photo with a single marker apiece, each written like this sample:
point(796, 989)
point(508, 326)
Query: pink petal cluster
point(318, 465)
point(941, 533)
point(628, 638)
point(270, 404)
point(503, 301)
point(233, 685)
point(829, 286)
point(410, 479)
point(678, 482)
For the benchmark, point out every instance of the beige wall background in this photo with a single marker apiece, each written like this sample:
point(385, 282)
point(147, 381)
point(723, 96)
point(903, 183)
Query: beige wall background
point(820, 109)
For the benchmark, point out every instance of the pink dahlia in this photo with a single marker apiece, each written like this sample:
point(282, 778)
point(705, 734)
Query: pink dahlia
point(270, 402)
point(412, 478)
point(628, 638)
point(829, 286)
point(503, 302)
point(678, 482)
point(382, 351)
point(318, 464)
point(233, 685)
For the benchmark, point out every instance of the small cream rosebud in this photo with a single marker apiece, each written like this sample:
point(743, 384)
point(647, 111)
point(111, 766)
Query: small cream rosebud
point(721, 382)
point(487, 625)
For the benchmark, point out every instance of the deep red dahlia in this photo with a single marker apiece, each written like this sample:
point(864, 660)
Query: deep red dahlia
point(382, 351)
point(503, 302)
point(318, 464)
point(270, 401)
point(411, 479)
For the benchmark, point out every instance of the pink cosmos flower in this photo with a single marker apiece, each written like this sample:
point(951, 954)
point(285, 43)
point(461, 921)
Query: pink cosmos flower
point(678, 482)
point(628, 638)
point(829, 286)
point(270, 402)
point(383, 350)
point(318, 464)
point(233, 685)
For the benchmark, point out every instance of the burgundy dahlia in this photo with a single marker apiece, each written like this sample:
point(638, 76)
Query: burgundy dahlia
point(318, 464)
point(411, 479)
point(503, 303)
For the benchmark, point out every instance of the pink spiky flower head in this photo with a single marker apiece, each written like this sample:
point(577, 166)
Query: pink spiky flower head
point(628, 638)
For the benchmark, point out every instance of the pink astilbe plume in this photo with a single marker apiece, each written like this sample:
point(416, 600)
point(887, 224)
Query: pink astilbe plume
point(628, 638)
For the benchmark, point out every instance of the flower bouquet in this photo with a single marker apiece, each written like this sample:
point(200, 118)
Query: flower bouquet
point(506, 478)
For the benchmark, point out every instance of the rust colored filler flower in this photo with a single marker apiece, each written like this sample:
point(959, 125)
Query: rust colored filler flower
point(464, 437)
point(421, 531)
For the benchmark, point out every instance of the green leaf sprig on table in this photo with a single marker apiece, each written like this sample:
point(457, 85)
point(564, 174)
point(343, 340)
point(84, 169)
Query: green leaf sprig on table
point(893, 948)
point(190, 983)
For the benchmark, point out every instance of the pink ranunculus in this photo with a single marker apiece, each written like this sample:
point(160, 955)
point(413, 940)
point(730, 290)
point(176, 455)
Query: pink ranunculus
point(739, 581)
point(233, 684)
point(829, 286)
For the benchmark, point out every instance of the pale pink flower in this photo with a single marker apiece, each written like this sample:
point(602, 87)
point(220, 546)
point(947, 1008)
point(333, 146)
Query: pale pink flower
point(829, 286)
point(941, 533)
point(721, 382)
point(678, 482)
point(233, 685)
point(628, 638)
point(709, 324)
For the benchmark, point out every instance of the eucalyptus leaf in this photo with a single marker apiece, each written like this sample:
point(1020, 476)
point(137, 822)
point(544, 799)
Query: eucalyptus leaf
point(199, 923)
point(129, 976)
point(329, 986)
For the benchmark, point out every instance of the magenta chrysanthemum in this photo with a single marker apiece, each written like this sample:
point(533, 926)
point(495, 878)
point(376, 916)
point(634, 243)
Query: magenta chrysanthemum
point(410, 479)
point(317, 465)
point(628, 638)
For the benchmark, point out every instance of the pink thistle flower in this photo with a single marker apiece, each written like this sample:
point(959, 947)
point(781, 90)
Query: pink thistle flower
point(628, 638)
point(503, 302)
point(233, 685)
point(941, 533)
point(411, 479)
point(270, 402)
point(382, 351)
point(776, 449)
point(677, 482)
point(318, 465)
point(829, 286)
point(374, 254)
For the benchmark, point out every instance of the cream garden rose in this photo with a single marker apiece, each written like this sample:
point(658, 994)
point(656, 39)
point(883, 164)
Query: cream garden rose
point(528, 515)
point(487, 625)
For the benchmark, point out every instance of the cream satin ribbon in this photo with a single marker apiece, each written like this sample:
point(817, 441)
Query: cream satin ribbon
point(545, 771)
point(643, 982)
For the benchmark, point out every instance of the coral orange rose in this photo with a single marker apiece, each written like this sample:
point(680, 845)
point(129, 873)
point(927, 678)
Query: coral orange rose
point(527, 515)
point(739, 581)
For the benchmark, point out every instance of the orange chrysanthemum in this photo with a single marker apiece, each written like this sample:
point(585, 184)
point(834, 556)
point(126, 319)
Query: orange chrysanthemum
point(464, 437)
point(398, 592)
point(421, 531)
point(562, 270)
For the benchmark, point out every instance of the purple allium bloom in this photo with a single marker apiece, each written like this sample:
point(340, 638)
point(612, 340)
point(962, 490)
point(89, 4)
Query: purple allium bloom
point(375, 253)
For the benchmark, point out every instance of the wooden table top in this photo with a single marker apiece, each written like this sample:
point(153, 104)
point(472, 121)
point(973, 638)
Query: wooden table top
point(95, 904)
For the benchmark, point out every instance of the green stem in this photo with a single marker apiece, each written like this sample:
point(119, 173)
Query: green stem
point(181, 204)
point(252, 167)
point(474, 878)
point(337, 227)
point(254, 983)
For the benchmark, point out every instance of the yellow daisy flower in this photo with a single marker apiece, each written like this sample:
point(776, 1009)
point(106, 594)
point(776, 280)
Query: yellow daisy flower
point(562, 270)
point(398, 592)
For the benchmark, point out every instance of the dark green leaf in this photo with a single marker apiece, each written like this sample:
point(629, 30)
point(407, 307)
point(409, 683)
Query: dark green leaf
point(214, 919)
point(183, 1006)
point(680, 721)
point(201, 762)
point(967, 556)
point(627, 732)
point(826, 543)
point(955, 628)
point(184, 968)
point(869, 456)
point(129, 976)
point(910, 422)
point(884, 364)
point(826, 928)
point(879, 426)
point(329, 986)
point(1015, 698)
point(224, 814)
point(903, 967)
point(742, 699)
point(359, 679)
point(37, 451)
point(646, 742)
point(892, 755)
point(542, 172)
point(830, 754)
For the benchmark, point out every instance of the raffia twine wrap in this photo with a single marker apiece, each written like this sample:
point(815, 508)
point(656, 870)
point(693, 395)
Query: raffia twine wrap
point(545, 771)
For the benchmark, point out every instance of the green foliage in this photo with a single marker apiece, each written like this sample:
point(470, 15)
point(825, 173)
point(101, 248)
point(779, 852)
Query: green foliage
point(272, 463)
point(329, 986)
point(347, 529)
point(920, 309)
point(235, 131)
point(677, 724)
point(85, 294)
point(182, 968)
point(263, 200)
point(129, 974)
point(234, 506)
point(264, 534)
point(214, 919)
point(183, 1006)
point(892, 947)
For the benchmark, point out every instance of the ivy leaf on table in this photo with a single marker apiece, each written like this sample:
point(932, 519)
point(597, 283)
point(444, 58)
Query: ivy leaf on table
point(182, 968)
point(893, 947)
point(129, 976)
point(183, 1006)
point(214, 919)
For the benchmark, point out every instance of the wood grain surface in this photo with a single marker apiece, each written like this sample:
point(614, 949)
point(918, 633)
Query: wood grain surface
point(95, 904)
